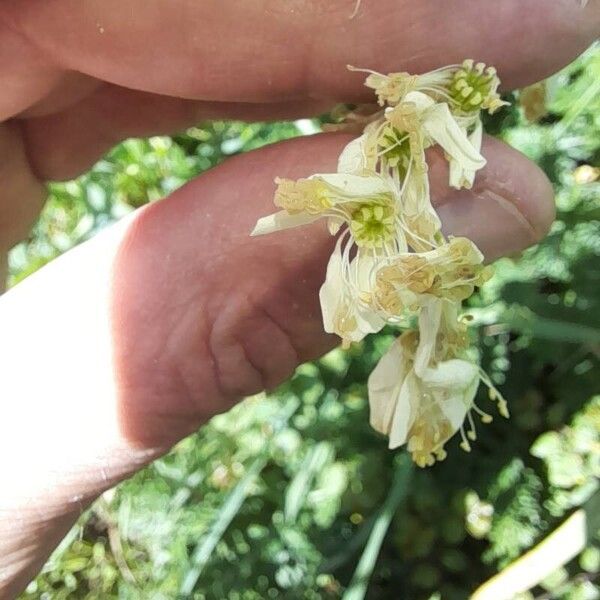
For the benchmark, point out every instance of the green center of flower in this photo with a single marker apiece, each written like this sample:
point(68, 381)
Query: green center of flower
point(372, 225)
point(395, 147)
point(471, 86)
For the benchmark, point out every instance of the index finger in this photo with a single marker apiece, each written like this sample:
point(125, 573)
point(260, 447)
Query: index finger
point(270, 50)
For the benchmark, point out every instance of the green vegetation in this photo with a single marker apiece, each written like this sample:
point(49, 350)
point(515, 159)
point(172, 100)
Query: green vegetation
point(286, 495)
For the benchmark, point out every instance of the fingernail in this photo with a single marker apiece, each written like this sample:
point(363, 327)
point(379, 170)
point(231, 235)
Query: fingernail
point(493, 222)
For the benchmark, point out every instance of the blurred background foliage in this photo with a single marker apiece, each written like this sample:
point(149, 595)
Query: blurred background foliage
point(292, 495)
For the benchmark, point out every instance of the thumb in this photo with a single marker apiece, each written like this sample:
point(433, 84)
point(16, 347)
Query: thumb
point(175, 313)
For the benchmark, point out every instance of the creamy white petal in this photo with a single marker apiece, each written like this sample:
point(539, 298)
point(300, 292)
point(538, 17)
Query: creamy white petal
point(335, 296)
point(441, 127)
point(459, 176)
point(420, 100)
point(356, 186)
point(363, 269)
point(367, 322)
point(429, 325)
point(453, 374)
point(404, 411)
point(330, 293)
point(334, 224)
point(352, 159)
point(416, 198)
point(454, 382)
point(385, 383)
point(455, 409)
point(282, 220)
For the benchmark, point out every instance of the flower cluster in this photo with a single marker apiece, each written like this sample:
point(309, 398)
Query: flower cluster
point(392, 262)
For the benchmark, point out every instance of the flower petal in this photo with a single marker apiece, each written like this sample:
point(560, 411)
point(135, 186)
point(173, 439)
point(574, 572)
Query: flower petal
point(404, 411)
point(363, 268)
point(356, 186)
point(337, 299)
point(385, 385)
point(459, 176)
point(331, 290)
point(352, 159)
point(282, 220)
point(453, 374)
point(420, 100)
point(440, 126)
point(429, 325)
point(455, 382)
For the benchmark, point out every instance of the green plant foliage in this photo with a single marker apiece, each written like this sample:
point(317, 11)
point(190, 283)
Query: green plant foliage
point(283, 497)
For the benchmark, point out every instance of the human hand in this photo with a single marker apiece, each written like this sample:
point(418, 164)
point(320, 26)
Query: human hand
point(175, 313)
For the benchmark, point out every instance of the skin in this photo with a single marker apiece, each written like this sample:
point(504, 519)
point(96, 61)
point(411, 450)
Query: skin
point(169, 317)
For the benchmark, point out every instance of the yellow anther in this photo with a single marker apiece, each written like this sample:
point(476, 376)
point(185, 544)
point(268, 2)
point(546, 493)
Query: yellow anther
point(466, 91)
point(503, 409)
point(476, 99)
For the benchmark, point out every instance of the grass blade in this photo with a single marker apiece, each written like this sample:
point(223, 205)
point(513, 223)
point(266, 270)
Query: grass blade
point(360, 581)
point(229, 510)
point(297, 492)
point(526, 322)
point(231, 507)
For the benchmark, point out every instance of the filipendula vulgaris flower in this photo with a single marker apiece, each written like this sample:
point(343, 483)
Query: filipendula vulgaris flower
point(364, 212)
point(458, 92)
point(396, 142)
point(422, 391)
point(452, 271)
point(466, 87)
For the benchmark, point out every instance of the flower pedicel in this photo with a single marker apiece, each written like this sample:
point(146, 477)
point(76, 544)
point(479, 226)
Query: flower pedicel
point(391, 260)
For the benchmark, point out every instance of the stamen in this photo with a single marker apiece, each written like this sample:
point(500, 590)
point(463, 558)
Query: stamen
point(464, 445)
point(485, 417)
point(472, 433)
point(473, 88)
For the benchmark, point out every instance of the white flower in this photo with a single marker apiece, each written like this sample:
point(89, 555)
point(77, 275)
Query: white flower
point(422, 411)
point(467, 88)
point(439, 126)
point(398, 141)
point(423, 389)
point(392, 88)
point(365, 211)
point(367, 205)
point(410, 280)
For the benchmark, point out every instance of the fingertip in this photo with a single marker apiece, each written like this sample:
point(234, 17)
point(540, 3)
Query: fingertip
point(521, 182)
point(510, 207)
